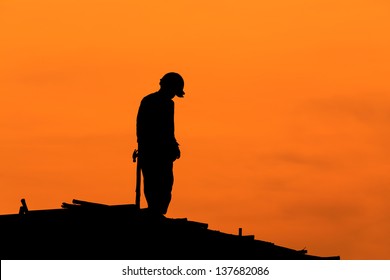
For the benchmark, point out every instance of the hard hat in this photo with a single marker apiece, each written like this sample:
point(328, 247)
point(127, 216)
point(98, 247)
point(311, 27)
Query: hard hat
point(173, 79)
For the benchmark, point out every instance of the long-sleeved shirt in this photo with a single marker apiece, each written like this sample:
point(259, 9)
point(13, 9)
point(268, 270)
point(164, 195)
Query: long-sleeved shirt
point(155, 126)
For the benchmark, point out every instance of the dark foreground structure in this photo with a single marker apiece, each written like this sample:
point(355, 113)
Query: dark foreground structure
point(85, 230)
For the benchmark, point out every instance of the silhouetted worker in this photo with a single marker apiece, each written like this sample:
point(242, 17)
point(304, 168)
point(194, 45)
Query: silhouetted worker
point(157, 145)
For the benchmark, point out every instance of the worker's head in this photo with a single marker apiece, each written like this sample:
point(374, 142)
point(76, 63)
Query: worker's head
point(172, 83)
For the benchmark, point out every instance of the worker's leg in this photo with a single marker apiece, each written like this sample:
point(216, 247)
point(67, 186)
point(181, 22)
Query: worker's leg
point(158, 182)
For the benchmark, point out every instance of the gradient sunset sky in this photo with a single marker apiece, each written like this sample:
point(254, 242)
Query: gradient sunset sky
point(284, 129)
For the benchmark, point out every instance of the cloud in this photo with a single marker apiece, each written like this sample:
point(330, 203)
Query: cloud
point(367, 108)
point(327, 210)
point(297, 159)
point(307, 160)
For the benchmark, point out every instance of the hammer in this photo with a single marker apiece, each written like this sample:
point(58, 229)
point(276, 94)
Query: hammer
point(138, 180)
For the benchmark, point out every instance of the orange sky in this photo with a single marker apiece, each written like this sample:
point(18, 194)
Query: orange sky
point(284, 128)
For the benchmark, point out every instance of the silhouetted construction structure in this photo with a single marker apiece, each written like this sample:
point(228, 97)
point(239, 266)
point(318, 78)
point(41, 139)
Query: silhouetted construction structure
point(85, 230)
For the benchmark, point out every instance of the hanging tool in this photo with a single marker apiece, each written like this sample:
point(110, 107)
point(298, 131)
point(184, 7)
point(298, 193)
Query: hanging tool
point(138, 180)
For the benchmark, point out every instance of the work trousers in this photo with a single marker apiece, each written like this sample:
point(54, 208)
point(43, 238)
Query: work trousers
point(158, 182)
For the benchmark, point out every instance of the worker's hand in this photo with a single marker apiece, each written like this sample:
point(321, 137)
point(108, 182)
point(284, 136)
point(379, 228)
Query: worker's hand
point(176, 153)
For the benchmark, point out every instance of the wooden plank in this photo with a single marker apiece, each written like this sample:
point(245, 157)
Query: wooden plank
point(87, 203)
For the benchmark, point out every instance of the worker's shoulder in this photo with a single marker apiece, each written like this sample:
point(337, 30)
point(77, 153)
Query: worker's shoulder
point(149, 97)
point(155, 98)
